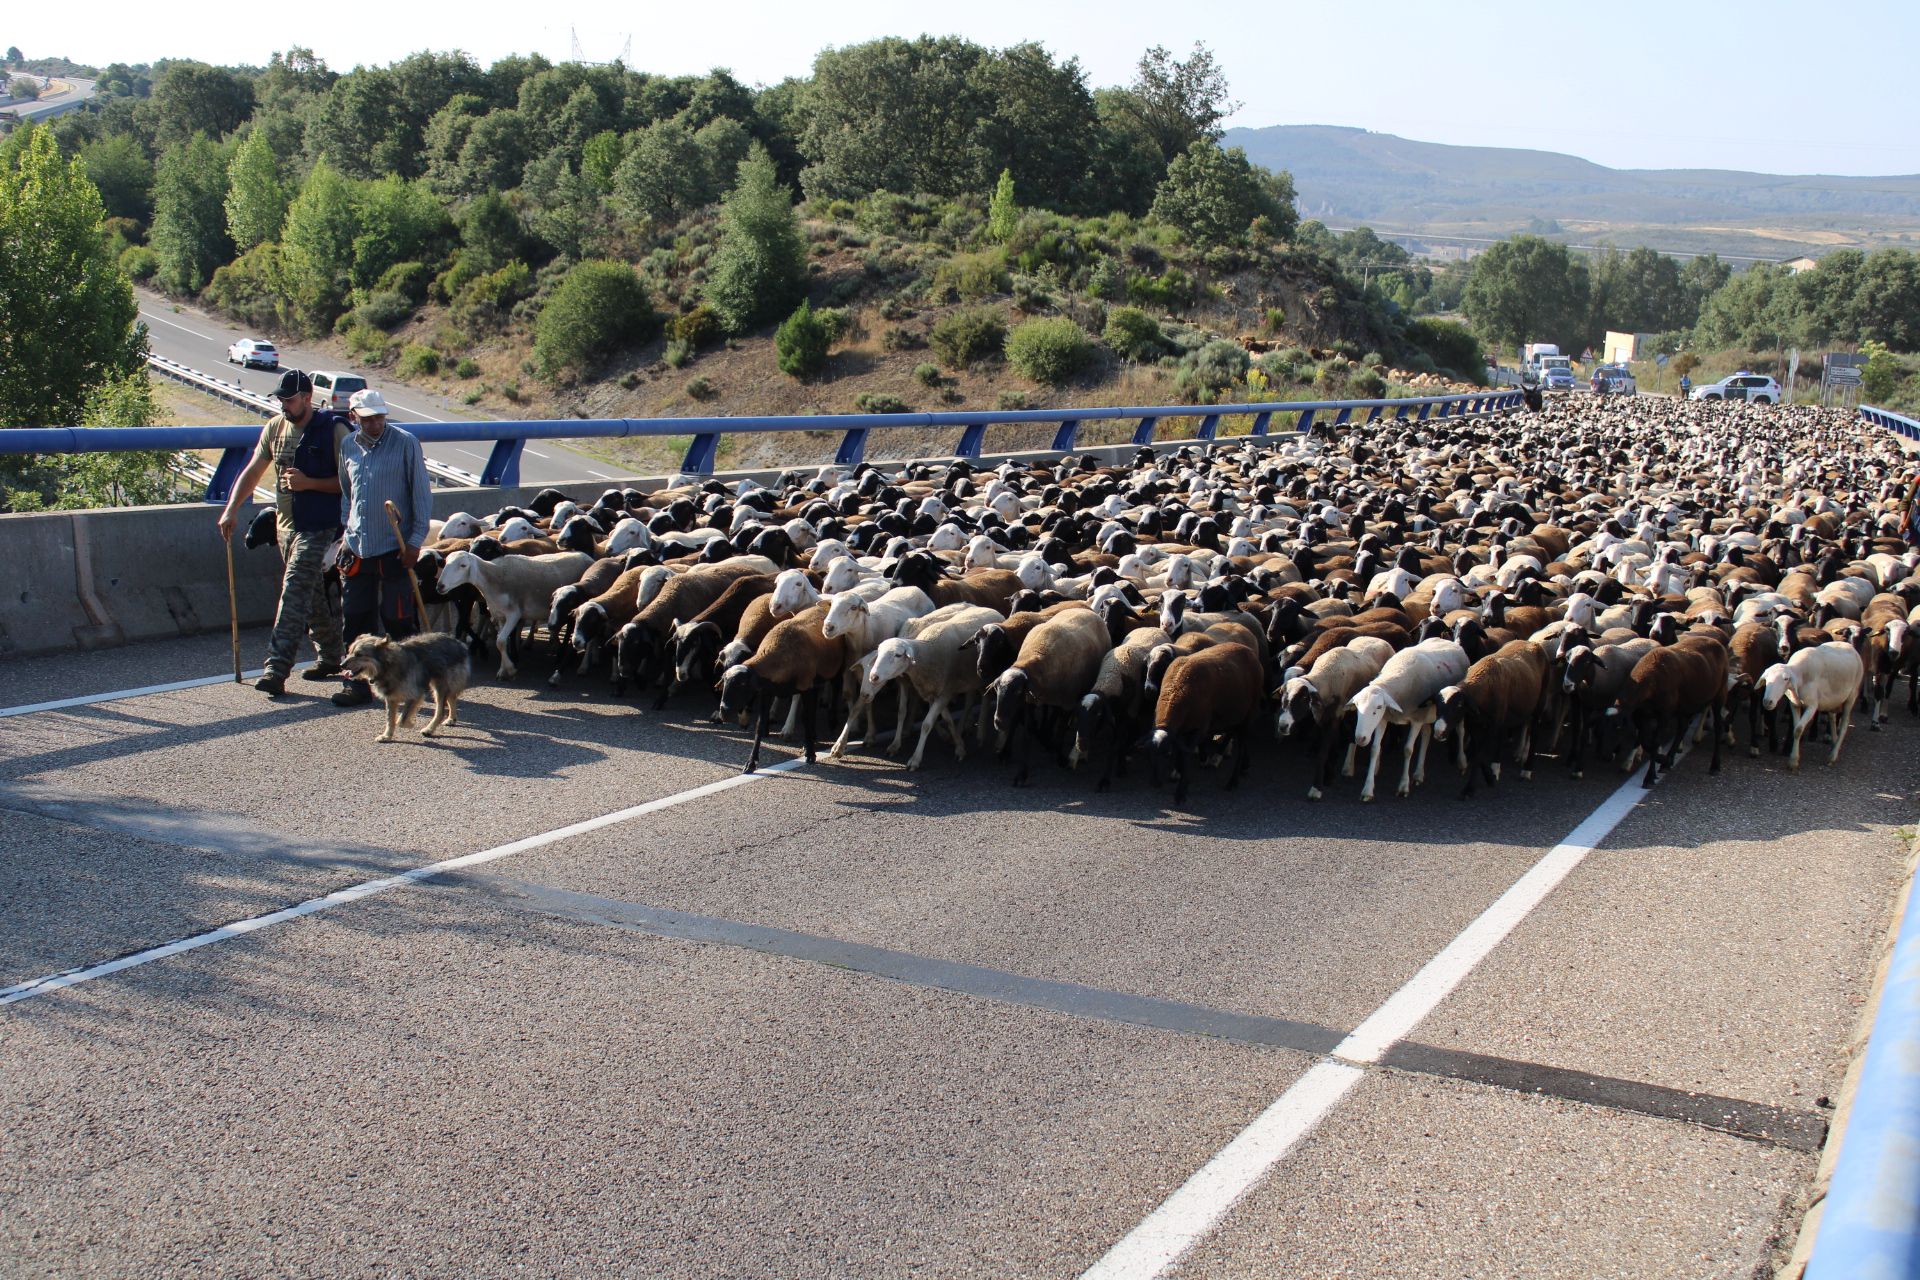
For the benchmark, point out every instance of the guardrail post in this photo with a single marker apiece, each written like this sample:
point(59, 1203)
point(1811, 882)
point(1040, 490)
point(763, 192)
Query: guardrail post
point(232, 463)
point(1346, 416)
point(1377, 411)
point(972, 441)
point(503, 464)
point(1425, 410)
point(1260, 421)
point(1068, 434)
point(1143, 433)
point(699, 459)
point(1305, 425)
point(1209, 426)
point(853, 447)
point(1399, 415)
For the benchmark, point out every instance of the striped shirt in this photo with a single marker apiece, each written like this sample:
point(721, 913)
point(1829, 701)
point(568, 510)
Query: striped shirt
point(372, 473)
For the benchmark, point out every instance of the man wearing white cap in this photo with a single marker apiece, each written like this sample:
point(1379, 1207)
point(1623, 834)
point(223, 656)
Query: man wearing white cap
point(379, 464)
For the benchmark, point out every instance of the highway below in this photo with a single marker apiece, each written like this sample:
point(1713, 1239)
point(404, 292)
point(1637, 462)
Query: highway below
point(563, 994)
point(200, 340)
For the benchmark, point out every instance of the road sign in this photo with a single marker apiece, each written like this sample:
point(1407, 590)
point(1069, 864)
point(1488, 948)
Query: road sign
point(1845, 360)
point(1844, 376)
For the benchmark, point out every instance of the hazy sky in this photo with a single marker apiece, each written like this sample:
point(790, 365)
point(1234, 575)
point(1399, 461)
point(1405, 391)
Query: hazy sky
point(1760, 84)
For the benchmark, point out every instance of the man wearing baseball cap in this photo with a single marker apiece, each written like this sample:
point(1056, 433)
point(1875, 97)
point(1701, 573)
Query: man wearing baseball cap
point(379, 464)
point(302, 445)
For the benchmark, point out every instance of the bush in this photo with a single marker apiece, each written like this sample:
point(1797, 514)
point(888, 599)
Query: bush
point(598, 307)
point(1107, 278)
point(1367, 386)
point(385, 309)
point(1133, 334)
point(416, 360)
point(409, 278)
point(928, 374)
point(1276, 319)
point(1011, 398)
point(678, 354)
point(801, 343)
point(837, 321)
point(879, 402)
point(1211, 369)
point(701, 388)
point(467, 368)
point(698, 328)
point(902, 339)
point(1049, 351)
point(368, 343)
point(973, 276)
point(1172, 291)
point(140, 262)
point(967, 336)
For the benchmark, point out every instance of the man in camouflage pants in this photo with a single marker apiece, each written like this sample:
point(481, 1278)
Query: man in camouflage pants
point(302, 446)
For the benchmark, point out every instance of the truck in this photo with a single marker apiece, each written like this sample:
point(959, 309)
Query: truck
point(1549, 368)
point(1531, 353)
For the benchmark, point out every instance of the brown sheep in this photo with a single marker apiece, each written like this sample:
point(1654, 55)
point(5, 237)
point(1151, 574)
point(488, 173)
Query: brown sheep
point(1500, 697)
point(1215, 693)
point(795, 660)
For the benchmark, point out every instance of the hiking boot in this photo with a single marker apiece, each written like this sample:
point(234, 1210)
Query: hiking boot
point(323, 671)
point(271, 684)
point(357, 693)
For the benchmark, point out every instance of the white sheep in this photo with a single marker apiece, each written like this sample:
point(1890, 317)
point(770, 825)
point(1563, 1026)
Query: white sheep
point(1822, 680)
point(517, 589)
point(1403, 694)
point(931, 653)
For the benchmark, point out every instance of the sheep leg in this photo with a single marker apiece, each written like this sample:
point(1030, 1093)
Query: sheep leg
point(1179, 769)
point(1753, 723)
point(839, 747)
point(759, 731)
point(934, 714)
point(1801, 720)
point(808, 710)
point(1322, 763)
point(955, 731)
point(504, 639)
point(1720, 730)
point(1026, 745)
point(793, 719)
point(1240, 741)
point(1846, 722)
point(1415, 740)
point(1373, 766)
point(1577, 755)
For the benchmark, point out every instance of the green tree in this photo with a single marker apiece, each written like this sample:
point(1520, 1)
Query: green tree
point(14, 55)
point(192, 97)
point(1528, 290)
point(800, 344)
point(599, 307)
point(491, 233)
point(495, 154)
point(722, 143)
point(136, 479)
point(760, 268)
point(124, 175)
point(317, 245)
point(895, 115)
point(1003, 212)
point(1041, 126)
point(1882, 375)
point(1700, 278)
point(601, 157)
point(1635, 292)
point(1889, 301)
point(23, 89)
point(397, 221)
point(1213, 196)
point(256, 198)
point(190, 214)
point(663, 174)
point(1178, 104)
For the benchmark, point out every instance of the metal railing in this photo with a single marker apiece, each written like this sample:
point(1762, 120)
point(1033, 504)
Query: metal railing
point(503, 467)
point(1897, 423)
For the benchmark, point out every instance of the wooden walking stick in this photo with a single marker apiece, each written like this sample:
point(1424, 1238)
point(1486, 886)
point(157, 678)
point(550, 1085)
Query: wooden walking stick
point(233, 612)
point(419, 602)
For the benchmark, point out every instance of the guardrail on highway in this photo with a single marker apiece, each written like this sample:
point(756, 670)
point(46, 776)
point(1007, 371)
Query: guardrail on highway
point(503, 467)
point(1897, 423)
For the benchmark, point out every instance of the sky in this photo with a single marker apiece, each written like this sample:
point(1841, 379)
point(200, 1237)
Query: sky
point(1761, 85)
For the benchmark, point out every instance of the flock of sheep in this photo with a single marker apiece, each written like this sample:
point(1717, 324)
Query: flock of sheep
point(1601, 579)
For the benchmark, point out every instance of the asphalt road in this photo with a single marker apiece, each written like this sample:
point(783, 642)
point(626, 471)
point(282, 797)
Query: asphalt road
point(200, 341)
point(50, 105)
point(846, 1021)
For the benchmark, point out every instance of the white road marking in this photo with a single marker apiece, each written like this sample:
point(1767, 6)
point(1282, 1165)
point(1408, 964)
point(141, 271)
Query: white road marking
point(1186, 1216)
point(470, 453)
point(603, 475)
point(171, 324)
point(414, 412)
point(367, 888)
point(526, 448)
point(88, 700)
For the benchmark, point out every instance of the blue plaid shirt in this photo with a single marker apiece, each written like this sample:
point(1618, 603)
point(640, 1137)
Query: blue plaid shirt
point(392, 468)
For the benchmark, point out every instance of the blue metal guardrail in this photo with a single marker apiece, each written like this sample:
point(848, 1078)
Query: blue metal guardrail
point(503, 467)
point(1871, 1223)
point(1899, 424)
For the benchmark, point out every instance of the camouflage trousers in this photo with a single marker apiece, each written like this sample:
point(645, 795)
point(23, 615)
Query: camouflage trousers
point(304, 606)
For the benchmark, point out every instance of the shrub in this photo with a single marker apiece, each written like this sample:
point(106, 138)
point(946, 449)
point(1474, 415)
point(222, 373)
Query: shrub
point(473, 397)
point(385, 309)
point(409, 278)
point(879, 402)
point(973, 276)
point(598, 307)
point(928, 374)
point(1011, 398)
point(512, 392)
point(416, 360)
point(1367, 386)
point(368, 343)
point(1171, 291)
point(698, 328)
point(678, 354)
point(1107, 279)
point(837, 321)
point(140, 262)
point(900, 339)
point(1133, 334)
point(1049, 351)
point(701, 388)
point(963, 337)
point(467, 368)
point(801, 343)
point(1276, 319)
point(1373, 360)
point(1275, 367)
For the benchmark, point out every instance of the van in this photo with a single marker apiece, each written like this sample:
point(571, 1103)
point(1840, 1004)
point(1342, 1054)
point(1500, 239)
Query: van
point(333, 390)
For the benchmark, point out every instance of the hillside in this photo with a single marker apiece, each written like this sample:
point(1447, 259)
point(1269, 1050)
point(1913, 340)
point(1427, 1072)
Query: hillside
point(1347, 175)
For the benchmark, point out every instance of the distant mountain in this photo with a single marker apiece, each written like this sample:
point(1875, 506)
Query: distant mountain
point(1344, 174)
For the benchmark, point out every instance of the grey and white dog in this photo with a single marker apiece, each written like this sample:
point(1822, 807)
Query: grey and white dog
point(403, 673)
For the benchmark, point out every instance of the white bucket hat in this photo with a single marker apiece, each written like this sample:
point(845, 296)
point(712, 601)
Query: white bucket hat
point(367, 403)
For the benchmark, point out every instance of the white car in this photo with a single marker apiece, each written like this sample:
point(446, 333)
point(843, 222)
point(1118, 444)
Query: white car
point(1755, 387)
point(332, 390)
point(253, 353)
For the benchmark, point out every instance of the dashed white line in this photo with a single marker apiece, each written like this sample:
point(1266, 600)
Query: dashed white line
point(1160, 1240)
point(367, 888)
point(208, 337)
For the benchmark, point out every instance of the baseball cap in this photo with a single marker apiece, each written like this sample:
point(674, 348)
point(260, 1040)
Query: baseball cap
point(292, 383)
point(367, 403)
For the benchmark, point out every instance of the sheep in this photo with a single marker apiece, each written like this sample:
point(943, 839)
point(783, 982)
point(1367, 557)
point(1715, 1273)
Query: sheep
point(1591, 679)
point(1824, 680)
point(1669, 688)
point(931, 653)
point(794, 660)
point(1500, 697)
point(682, 597)
point(1318, 699)
point(597, 622)
point(697, 642)
point(598, 577)
point(1402, 694)
point(1055, 669)
point(1113, 707)
point(1755, 647)
point(863, 624)
point(1207, 695)
point(516, 589)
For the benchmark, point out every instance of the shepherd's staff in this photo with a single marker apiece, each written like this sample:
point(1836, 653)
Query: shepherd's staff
point(233, 612)
point(419, 602)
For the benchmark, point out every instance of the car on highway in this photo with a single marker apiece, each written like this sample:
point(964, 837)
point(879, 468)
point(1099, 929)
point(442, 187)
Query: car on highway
point(1613, 380)
point(1756, 387)
point(254, 353)
point(1556, 377)
point(332, 390)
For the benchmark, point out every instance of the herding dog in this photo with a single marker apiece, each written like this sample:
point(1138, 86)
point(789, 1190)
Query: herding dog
point(403, 672)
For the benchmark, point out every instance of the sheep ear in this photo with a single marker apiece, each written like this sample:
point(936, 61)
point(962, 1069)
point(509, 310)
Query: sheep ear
point(1393, 704)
